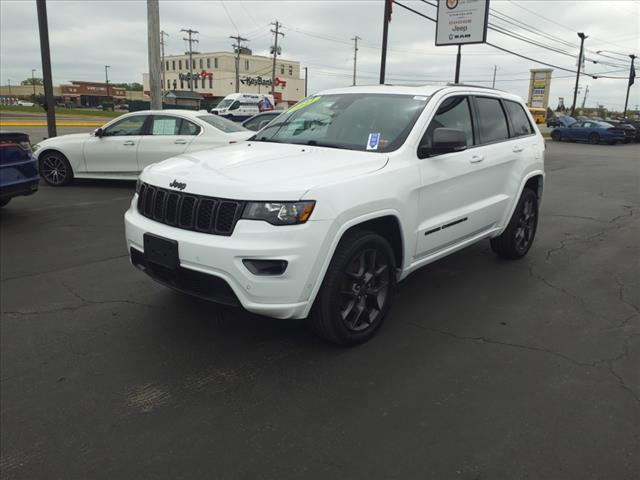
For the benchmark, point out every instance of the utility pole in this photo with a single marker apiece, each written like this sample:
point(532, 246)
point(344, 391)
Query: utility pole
point(106, 76)
point(43, 27)
point(575, 90)
point(632, 79)
point(275, 32)
point(33, 82)
point(163, 67)
point(493, 85)
point(10, 89)
point(153, 39)
point(306, 78)
point(584, 99)
point(355, 57)
point(385, 34)
point(237, 46)
point(191, 41)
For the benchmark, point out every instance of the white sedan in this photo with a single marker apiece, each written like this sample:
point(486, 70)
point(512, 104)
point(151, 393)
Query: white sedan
point(123, 147)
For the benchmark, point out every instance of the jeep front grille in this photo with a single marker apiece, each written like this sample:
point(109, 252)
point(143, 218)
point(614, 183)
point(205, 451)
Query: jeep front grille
point(217, 216)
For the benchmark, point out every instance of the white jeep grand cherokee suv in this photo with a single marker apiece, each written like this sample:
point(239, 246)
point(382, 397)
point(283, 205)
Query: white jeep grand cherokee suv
point(323, 211)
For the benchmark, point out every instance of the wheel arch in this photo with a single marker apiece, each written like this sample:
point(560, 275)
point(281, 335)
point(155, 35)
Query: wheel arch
point(386, 223)
point(533, 180)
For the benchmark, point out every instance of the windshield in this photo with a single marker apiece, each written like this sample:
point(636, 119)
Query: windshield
point(223, 124)
point(354, 121)
point(224, 103)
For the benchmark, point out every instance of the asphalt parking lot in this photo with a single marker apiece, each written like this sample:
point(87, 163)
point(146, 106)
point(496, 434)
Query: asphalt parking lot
point(485, 369)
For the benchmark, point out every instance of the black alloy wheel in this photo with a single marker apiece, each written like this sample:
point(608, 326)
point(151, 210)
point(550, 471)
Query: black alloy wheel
point(594, 138)
point(55, 169)
point(517, 238)
point(364, 290)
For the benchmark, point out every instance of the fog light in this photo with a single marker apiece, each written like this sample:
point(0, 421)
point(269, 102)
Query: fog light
point(265, 267)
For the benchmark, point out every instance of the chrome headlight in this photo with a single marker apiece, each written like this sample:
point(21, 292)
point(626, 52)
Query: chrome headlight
point(279, 213)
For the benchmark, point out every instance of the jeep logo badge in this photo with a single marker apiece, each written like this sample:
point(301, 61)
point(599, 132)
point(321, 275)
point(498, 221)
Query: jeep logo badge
point(178, 185)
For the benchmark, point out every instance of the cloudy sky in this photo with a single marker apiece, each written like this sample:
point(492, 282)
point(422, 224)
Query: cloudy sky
point(86, 35)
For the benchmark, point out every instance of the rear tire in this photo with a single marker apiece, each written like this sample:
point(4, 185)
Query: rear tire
point(516, 240)
point(594, 138)
point(556, 137)
point(55, 169)
point(357, 289)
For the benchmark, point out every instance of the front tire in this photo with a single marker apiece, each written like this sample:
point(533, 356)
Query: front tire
point(555, 136)
point(55, 169)
point(594, 139)
point(516, 240)
point(357, 289)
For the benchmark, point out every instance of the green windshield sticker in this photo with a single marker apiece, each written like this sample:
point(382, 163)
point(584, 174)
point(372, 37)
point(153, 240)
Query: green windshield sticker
point(304, 103)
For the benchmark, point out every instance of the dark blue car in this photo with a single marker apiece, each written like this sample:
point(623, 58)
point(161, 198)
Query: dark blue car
point(18, 168)
point(589, 131)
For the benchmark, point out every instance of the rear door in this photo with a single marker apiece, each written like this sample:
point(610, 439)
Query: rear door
point(169, 135)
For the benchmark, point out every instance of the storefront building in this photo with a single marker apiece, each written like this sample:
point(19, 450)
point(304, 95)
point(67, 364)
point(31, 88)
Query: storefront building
point(214, 76)
point(91, 94)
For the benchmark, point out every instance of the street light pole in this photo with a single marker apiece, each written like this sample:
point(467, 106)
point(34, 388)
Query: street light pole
point(575, 90)
point(632, 78)
point(33, 82)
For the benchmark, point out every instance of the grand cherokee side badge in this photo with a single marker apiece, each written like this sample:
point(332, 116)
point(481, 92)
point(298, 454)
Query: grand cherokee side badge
point(178, 185)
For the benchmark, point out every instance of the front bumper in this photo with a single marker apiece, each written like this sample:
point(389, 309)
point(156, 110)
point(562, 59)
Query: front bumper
point(282, 296)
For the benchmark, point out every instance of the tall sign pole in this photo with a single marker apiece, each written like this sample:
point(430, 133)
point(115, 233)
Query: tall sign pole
point(385, 34)
point(355, 57)
point(632, 79)
point(46, 67)
point(461, 23)
point(153, 39)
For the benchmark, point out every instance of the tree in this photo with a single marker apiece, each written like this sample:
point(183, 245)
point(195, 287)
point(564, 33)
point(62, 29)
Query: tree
point(32, 81)
point(135, 86)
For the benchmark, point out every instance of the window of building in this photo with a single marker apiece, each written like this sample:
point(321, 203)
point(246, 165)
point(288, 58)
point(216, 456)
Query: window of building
point(168, 84)
point(193, 64)
point(210, 82)
point(454, 112)
point(166, 65)
point(201, 63)
point(492, 121)
point(246, 64)
point(203, 79)
point(281, 69)
point(179, 64)
point(173, 64)
point(215, 63)
point(519, 120)
point(291, 70)
point(181, 85)
point(208, 63)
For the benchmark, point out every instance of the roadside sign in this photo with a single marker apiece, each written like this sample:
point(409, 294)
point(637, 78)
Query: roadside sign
point(462, 22)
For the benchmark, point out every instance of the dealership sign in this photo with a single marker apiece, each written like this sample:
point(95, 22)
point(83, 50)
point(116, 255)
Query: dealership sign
point(196, 76)
point(462, 21)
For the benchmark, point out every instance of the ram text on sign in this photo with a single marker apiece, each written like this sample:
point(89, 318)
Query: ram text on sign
point(462, 21)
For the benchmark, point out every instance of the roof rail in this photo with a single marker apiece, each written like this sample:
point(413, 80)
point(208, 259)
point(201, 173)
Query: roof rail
point(453, 84)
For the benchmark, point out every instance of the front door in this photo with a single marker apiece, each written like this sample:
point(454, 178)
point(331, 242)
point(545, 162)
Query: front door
point(449, 190)
point(115, 151)
point(168, 136)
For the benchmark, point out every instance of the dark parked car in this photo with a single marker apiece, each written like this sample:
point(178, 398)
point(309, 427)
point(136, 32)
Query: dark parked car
point(18, 168)
point(257, 122)
point(562, 121)
point(589, 131)
point(630, 131)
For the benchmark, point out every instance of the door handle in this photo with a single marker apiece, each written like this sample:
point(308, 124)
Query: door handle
point(476, 159)
point(129, 142)
point(517, 149)
point(180, 141)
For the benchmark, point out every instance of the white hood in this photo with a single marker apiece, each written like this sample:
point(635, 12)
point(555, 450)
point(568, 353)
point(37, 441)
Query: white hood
point(262, 171)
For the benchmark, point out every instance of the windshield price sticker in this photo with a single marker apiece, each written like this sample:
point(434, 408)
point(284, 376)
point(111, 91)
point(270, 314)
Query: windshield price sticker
point(374, 140)
point(304, 103)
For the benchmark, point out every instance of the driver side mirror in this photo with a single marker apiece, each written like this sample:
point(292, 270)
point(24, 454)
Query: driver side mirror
point(445, 140)
point(98, 132)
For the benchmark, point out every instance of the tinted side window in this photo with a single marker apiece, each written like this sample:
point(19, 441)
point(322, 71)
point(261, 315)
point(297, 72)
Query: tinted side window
point(454, 112)
point(519, 120)
point(491, 120)
point(189, 128)
point(126, 126)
